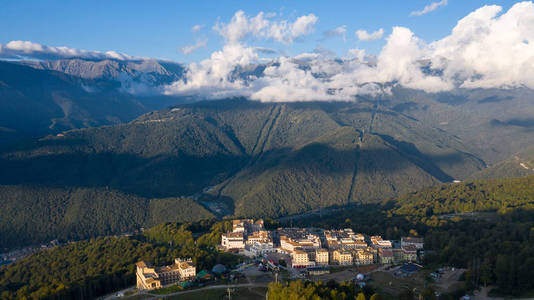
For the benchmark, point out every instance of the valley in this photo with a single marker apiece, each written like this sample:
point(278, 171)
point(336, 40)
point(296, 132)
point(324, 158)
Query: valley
point(251, 153)
point(236, 157)
point(267, 150)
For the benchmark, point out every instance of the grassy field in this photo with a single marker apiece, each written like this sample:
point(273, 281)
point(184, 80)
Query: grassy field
point(167, 290)
point(387, 283)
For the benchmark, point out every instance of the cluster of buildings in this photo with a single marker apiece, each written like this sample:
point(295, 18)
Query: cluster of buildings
point(319, 247)
point(149, 277)
point(305, 249)
point(248, 237)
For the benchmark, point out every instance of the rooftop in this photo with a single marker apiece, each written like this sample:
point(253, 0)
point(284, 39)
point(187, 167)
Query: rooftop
point(411, 239)
point(233, 234)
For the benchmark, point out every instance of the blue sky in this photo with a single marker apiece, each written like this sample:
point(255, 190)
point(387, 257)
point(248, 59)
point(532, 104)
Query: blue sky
point(161, 28)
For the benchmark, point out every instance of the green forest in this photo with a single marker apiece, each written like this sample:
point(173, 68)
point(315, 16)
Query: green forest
point(333, 290)
point(488, 229)
point(494, 241)
point(91, 268)
point(330, 290)
point(472, 196)
point(261, 159)
point(34, 214)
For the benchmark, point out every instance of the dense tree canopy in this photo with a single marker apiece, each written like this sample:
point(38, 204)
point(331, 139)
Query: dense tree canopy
point(316, 291)
point(35, 214)
point(86, 269)
point(495, 242)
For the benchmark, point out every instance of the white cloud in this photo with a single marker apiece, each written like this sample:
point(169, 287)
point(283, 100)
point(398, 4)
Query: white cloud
point(212, 77)
point(197, 28)
point(340, 31)
point(357, 54)
point(303, 25)
point(399, 61)
point(486, 49)
point(363, 35)
point(27, 49)
point(429, 8)
point(241, 26)
point(200, 43)
point(217, 77)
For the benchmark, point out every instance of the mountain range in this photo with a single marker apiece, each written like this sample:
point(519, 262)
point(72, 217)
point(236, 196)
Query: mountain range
point(88, 128)
point(38, 98)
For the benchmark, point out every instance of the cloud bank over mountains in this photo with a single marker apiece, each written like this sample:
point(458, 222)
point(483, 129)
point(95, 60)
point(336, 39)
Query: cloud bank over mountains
point(27, 49)
point(485, 49)
point(488, 48)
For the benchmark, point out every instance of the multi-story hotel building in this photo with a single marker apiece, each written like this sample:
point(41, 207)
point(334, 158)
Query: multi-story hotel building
point(186, 268)
point(149, 277)
point(344, 239)
point(342, 257)
point(293, 238)
point(322, 257)
point(232, 240)
point(378, 242)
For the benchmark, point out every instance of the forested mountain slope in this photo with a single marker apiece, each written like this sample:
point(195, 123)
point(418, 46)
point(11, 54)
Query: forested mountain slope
point(32, 214)
point(520, 164)
point(255, 158)
point(470, 196)
point(494, 123)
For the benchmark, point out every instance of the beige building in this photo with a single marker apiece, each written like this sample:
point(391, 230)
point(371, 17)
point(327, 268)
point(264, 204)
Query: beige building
point(321, 257)
point(232, 241)
point(409, 253)
point(299, 259)
point(246, 232)
point(342, 257)
point(247, 225)
point(149, 277)
point(364, 257)
point(293, 238)
point(186, 268)
point(344, 239)
point(259, 237)
point(385, 255)
point(378, 242)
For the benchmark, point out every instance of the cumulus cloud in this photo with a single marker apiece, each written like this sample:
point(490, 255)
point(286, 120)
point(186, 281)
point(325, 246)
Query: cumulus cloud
point(303, 25)
point(197, 28)
point(27, 49)
point(218, 75)
point(200, 43)
point(212, 77)
point(340, 31)
point(241, 26)
point(429, 8)
point(488, 48)
point(363, 35)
